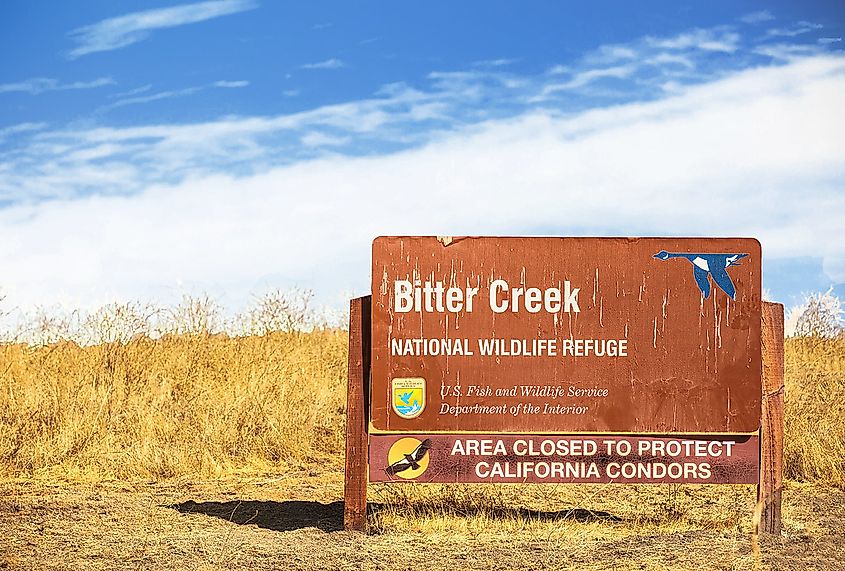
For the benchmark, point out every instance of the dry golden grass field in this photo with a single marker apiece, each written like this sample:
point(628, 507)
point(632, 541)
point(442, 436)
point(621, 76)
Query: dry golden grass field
point(198, 451)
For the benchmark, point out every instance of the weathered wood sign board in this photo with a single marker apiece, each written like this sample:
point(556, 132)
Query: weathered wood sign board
point(565, 359)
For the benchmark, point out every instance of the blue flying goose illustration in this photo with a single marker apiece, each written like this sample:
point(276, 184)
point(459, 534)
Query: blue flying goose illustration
point(715, 265)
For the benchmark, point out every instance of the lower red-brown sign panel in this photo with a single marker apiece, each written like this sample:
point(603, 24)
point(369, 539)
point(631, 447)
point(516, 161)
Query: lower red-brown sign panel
point(514, 458)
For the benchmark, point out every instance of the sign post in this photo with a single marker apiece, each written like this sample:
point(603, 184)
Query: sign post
point(561, 360)
point(769, 490)
point(355, 483)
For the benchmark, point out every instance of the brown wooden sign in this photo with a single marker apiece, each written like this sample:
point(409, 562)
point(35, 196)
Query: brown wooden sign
point(565, 335)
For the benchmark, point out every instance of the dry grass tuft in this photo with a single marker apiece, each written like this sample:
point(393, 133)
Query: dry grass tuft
point(565, 512)
point(814, 444)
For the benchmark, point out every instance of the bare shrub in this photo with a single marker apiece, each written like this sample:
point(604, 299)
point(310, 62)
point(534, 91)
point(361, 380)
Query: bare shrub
point(279, 310)
point(44, 326)
point(119, 323)
point(819, 316)
point(194, 315)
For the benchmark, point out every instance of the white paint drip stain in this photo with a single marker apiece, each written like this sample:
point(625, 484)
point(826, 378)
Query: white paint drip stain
point(595, 287)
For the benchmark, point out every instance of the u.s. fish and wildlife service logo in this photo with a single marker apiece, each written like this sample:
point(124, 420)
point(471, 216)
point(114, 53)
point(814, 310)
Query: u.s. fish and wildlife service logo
point(408, 396)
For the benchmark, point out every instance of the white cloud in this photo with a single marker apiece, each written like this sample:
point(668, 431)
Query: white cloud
point(795, 30)
point(170, 94)
point(463, 85)
point(231, 84)
point(20, 128)
point(500, 62)
point(649, 64)
point(139, 99)
point(48, 165)
point(712, 40)
point(584, 78)
point(611, 53)
point(52, 164)
point(332, 63)
point(757, 17)
point(122, 31)
point(37, 85)
point(318, 139)
point(131, 92)
point(829, 40)
point(755, 153)
point(662, 59)
point(787, 52)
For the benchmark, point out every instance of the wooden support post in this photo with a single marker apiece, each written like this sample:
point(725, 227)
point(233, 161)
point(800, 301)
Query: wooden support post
point(771, 429)
point(355, 486)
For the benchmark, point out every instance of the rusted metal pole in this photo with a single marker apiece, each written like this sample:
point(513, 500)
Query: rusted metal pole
point(355, 486)
point(771, 429)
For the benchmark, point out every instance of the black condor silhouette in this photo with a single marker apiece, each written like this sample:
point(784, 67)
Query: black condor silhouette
point(410, 461)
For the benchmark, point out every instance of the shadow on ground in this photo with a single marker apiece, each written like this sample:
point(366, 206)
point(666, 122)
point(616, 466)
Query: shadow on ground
point(295, 514)
point(277, 516)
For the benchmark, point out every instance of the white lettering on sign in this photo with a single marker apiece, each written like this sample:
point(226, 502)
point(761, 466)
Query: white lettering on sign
point(577, 458)
point(431, 297)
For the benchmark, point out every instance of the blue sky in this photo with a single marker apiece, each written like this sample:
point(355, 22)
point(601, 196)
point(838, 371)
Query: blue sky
point(152, 149)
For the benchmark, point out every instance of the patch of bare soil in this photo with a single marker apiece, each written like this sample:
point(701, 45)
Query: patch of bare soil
point(294, 521)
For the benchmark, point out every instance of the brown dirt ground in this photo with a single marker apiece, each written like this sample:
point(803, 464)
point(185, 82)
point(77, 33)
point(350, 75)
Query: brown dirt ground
point(293, 520)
